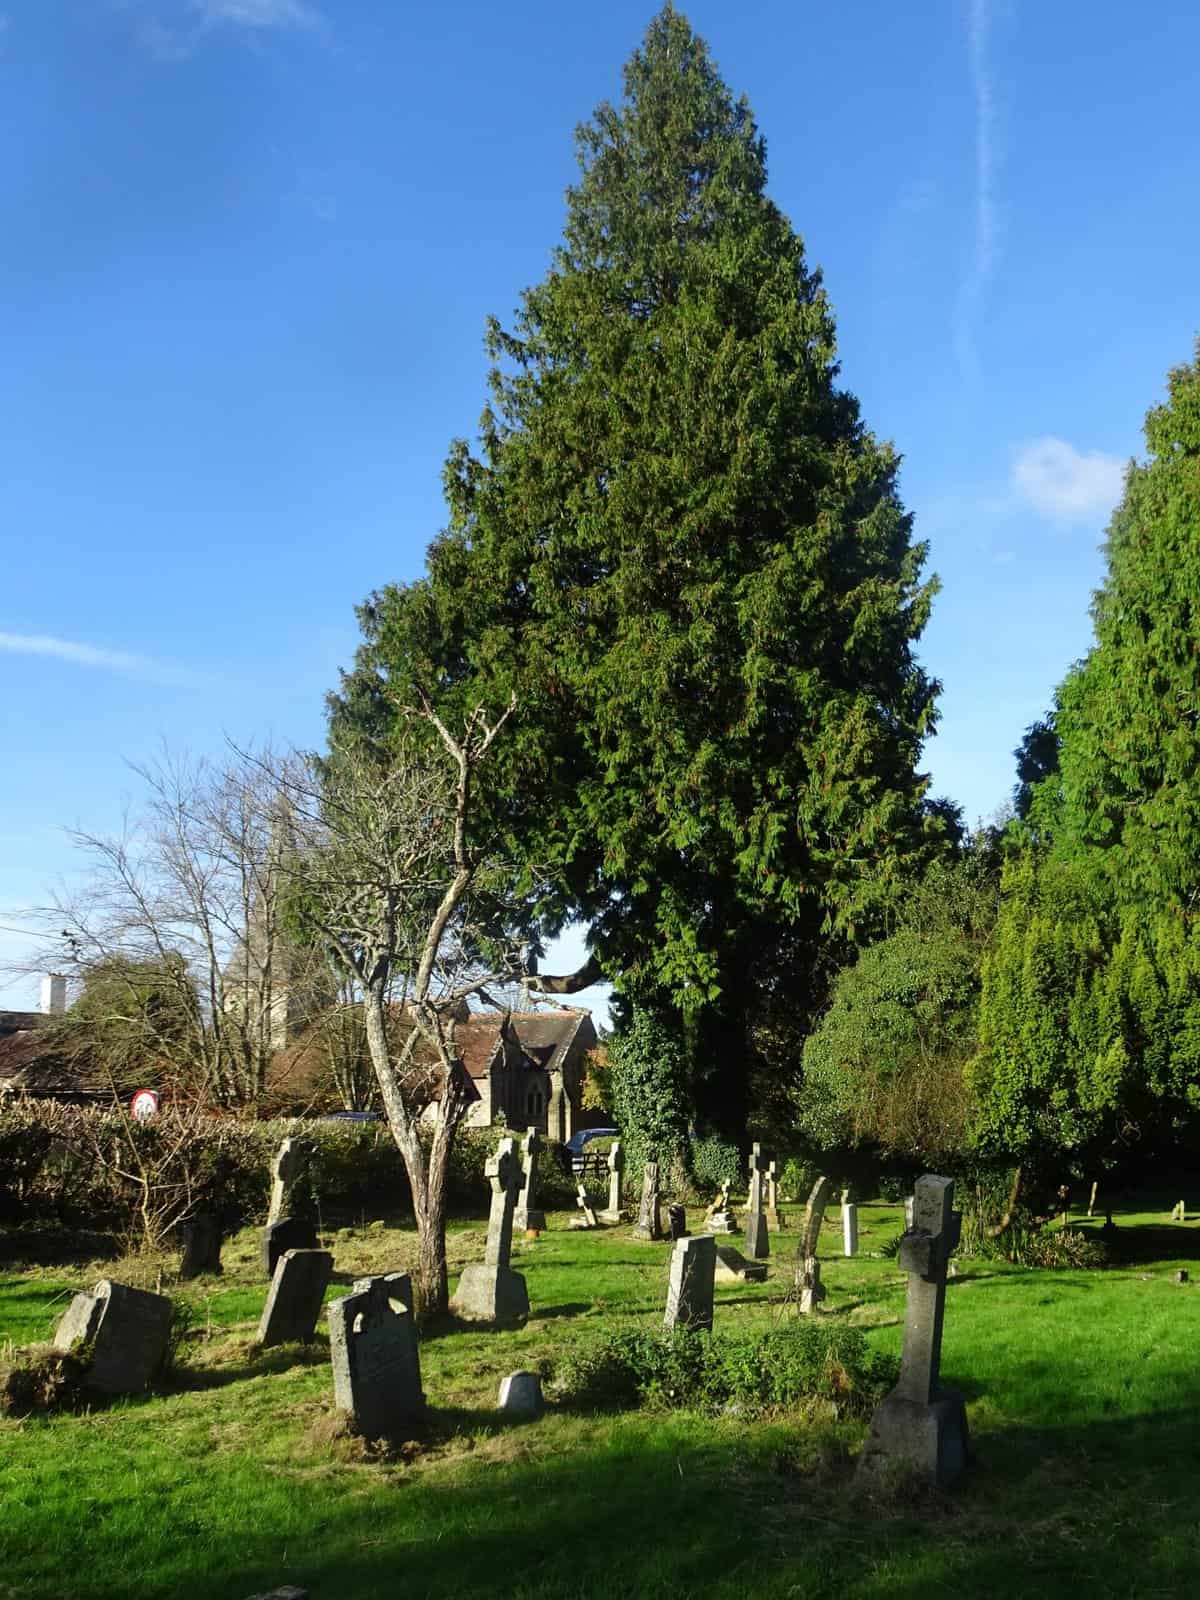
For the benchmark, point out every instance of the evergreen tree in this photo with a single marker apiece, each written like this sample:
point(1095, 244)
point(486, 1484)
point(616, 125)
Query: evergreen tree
point(682, 549)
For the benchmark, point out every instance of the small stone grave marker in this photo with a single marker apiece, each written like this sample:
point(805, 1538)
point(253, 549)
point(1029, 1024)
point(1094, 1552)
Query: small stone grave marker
point(720, 1218)
point(127, 1332)
point(200, 1238)
point(849, 1227)
point(295, 1297)
point(649, 1222)
point(289, 1233)
point(920, 1425)
point(690, 1284)
point(677, 1221)
point(489, 1291)
point(616, 1171)
point(732, 1267)
point(808, 1268)
point(529, 1218)
point(521, 1394)
point(374, 1350)
point(1179, 1214)
point(774, 1215)
point(757, 1242)
point(588, 1217)
point(285, 1171)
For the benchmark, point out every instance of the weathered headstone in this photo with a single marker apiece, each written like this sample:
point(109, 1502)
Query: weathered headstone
point(732, 1267)
point(920, 1425)
point(200, 1238)
point(528, 1218)
point(289, 1233)
point(720, 1218)
point(489, 1290)
point(757, 1243)
point(521, 1394)
point(690, 1285)
point(808, 1268)
point(588, 1217)
point(374, 1350)
point(849, 1227)
point(649, 1222)
point(1092, 1200)
point(1179, 1213)
point(125, 1331)
point(677, 1221)
point(616, 1170)
point(295, 1297)
point(908, 1211)
point(285, 1170)
point(774, 1215)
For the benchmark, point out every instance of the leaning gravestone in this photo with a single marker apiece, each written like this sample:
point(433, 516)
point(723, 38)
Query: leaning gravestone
point(677, 1221)
point(528, 1218)
point(489, 1290)
point(200, 1237)
point(1178, 1213)
point(649, 1222)
point(285, 1170)
point(373, 1347)
point(808, 1267)
point(289, 1233)
point(126, 1332)
point(720, 1218)
point(757, 1243)
point(920, 1425)
point(732, 1267)
point(616, 1169)
point(295, 1297)
point(690, 1285)
point(588, 1217)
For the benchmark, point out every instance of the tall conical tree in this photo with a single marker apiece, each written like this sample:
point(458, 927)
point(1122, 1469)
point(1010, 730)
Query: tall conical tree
point(681, 547)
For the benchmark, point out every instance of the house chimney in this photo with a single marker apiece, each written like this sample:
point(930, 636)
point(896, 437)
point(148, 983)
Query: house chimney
point(54, 995)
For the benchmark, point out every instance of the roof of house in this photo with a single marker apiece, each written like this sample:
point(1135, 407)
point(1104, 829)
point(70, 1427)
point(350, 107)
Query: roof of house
point(546, 1036)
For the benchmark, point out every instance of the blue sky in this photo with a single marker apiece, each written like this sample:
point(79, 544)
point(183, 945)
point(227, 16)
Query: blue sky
point(250, 246)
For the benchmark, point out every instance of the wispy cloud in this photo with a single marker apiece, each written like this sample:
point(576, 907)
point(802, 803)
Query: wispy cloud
point(985, 243)
point(1066, 484)
point(88, 655)
point(258, 13)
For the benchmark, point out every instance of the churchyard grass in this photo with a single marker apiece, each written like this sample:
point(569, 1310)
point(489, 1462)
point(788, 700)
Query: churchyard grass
point(1081, 1390)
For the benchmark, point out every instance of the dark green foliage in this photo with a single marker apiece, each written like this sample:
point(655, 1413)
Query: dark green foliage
point(885, 1067)
point(648, 1088)
point(1037, 760)
point(682, 549)
point(714, 1162)
point(796, 1363)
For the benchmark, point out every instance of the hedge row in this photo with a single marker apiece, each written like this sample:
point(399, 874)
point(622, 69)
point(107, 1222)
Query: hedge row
point(85, 1166)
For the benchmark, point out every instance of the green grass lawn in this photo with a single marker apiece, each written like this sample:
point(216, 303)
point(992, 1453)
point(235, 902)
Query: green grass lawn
point(1082, 1393)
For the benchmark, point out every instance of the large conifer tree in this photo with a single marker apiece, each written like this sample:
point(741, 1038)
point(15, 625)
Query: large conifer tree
point(681, 547)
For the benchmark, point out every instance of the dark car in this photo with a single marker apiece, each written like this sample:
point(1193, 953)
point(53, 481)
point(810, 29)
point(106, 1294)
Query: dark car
point(576, 1144)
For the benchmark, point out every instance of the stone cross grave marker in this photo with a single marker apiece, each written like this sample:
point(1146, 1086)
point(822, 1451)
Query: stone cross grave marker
point(289, 1233)
point(757, 1244)
point(295, 1297)
point(649, 1222)
point(588, 1219)
point(529, 1219)
point(285, 1170)
point(616, 1171)
point(920, 1425)
point(374, 1351)
point(127, 1330)
point(849, 1225)
point(720, 1218)
point(690, 1284)
point(489, 1291)
point(808, 1268)
point(774, 1215)
point(200, 1237)
point(1179, 1214)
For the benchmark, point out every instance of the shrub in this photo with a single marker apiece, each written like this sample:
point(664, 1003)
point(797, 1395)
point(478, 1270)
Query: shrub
point(713, 1163)
point(40, 1381)
point(792, 1365)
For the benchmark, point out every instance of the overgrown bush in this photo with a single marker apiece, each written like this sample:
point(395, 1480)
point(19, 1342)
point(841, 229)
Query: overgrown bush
point(795, 1364)
point(40, 1381)
point(713, 1162)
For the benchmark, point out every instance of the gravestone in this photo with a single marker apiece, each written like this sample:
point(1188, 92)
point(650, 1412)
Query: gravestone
point(774, 1215)
point(649, 1222)
point(200, 1238)
point(295, 1297)
point(850, 1227)
point(1092, 1200)
point(489, 1291)
point(921, 1426)
point(757, 1243)
point(1178, 1213)
point(589, 1219)
point(677, 1221)
point(690, 1284)
point(521, 1394)
point(374, 1351)
point(908, 1211)
point(528, 1218)
point(616, 1168)
point(126, 1331)
point(732, 1267)
point(289, 1233)
point(808, 1268)
point(285, 1170)
point(720, 1218)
